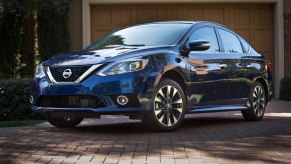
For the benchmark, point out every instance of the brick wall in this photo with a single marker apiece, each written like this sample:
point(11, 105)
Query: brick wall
point(287, 40)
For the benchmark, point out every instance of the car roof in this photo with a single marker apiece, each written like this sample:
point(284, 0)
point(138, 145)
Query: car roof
point(190, 22)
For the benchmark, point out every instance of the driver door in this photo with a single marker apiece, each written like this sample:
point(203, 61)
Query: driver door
point(209, 84)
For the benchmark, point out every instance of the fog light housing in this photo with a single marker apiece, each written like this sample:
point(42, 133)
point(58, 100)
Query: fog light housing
point(122, 100)
point(132, 101)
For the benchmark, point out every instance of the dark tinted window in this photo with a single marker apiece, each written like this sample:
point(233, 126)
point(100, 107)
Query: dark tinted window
point(144, 35)
point(245, 45)
point(206, 33)
point(230, 42)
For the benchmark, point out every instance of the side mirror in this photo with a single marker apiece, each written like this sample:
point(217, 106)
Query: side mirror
point(199, 45)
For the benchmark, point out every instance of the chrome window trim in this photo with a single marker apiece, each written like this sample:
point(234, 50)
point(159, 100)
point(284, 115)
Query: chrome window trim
point(84, 75)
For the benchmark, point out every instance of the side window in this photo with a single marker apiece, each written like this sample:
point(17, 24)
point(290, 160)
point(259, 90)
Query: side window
point(245, 45)
point(206, 33)
point(230, 42)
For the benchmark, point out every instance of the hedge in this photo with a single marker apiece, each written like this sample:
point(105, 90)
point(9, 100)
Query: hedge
point(14, 100)
point(285, 90)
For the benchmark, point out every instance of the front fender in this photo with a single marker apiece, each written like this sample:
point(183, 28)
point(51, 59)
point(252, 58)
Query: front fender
point(163, 65)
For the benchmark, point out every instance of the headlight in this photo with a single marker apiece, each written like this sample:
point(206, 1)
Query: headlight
point(39, 71)
point(123, 67)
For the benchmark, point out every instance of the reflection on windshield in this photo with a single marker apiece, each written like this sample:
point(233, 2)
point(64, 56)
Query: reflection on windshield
point(143, 35)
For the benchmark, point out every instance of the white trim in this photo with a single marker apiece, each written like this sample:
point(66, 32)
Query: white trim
point(86, 23)
point(278, 25)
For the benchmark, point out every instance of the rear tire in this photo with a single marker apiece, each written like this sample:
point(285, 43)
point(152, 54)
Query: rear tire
point(168, 107)
point(257, 103)
point(64, 122)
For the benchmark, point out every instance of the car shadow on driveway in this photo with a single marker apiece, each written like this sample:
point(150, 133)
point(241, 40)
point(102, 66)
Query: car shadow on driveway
point(208, 127)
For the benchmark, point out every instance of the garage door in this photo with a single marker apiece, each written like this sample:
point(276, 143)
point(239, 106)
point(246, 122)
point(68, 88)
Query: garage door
point(252, 21)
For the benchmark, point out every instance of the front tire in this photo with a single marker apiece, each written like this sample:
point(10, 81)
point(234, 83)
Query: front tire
point(257, 103)
point(64, 122)
point(168, 107)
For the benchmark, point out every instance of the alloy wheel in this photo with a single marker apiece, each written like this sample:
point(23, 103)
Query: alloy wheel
point(259, 101)
point(168, 105)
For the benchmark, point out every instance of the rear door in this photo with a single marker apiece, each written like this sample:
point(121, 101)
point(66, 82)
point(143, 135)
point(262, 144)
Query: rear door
point(209, 74)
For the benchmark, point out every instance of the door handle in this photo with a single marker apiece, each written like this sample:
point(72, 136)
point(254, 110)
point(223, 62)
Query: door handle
point(222, 66)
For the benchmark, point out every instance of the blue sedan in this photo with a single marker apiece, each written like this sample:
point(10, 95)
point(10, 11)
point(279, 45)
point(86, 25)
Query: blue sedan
point(156, 72)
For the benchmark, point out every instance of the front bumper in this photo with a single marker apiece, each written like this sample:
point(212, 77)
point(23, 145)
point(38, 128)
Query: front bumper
point(139, 85)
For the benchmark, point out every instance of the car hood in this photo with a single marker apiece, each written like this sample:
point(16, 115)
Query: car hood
point(102, 55)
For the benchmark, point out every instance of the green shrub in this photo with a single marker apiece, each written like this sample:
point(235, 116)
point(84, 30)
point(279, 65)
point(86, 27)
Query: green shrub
point(285, 90)
point(14, 100)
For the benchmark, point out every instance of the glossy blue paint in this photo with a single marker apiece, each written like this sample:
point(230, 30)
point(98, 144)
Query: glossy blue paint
point(205, 80)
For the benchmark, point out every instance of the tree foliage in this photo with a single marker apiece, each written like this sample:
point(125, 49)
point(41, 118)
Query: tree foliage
point(10, 36)
point(53, 31)
point(21, 44)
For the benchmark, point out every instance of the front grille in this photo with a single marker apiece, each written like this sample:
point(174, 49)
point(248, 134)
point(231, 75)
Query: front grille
point(76, 72)
point(64, 101)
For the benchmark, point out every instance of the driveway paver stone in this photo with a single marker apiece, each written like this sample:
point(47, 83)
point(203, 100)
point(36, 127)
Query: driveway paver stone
point(203, 138)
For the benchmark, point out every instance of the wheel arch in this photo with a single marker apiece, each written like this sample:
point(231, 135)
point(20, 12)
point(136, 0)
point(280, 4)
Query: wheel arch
point(176, 76)
point(264, 84)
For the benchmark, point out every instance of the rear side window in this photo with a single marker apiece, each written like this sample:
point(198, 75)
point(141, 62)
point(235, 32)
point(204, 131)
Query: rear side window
point(206, 33)
point(245, 45)
point(230, 42)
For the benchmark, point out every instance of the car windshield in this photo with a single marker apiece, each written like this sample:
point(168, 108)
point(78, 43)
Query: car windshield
point(143, 35)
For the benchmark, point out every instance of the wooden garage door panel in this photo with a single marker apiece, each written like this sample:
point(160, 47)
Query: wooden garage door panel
point(122, 16)
point(241, 16)
point(213, 13)
point(168, 14)
point(254, 22)
point(147, 14)
point(107, 18)
point(263, 16)
point(216, 15)
point(100, 17)
point(194, 13)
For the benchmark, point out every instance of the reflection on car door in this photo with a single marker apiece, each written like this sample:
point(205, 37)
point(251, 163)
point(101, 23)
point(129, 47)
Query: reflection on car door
point(209, 73)
point(240, 66)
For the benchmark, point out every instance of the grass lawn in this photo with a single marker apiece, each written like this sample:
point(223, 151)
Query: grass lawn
point(20, 123)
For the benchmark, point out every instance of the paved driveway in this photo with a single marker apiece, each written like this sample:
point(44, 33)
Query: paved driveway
point(203, 138)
